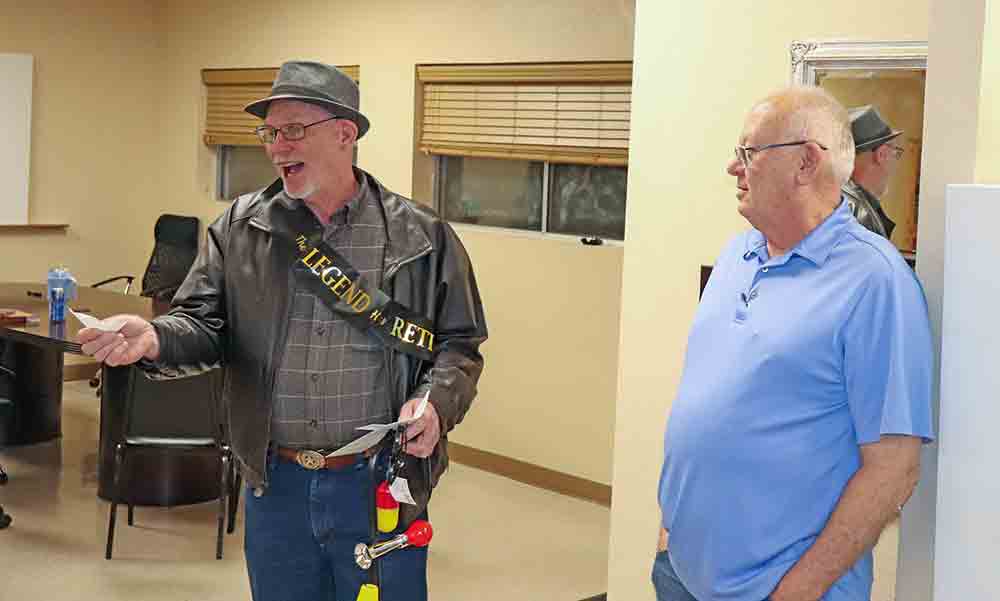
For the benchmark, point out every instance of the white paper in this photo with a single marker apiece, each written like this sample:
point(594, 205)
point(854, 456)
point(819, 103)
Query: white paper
point(400, 490)
point(365, 442)
point(421, 407)
point(111, 324)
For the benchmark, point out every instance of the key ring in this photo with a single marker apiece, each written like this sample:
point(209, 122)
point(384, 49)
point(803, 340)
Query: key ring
point(396, 459)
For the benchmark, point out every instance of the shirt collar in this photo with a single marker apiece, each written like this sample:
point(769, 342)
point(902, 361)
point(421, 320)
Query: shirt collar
point(350, 213)
point(815, 247)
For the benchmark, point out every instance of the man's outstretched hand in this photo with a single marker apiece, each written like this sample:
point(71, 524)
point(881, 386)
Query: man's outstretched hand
point(134, 341)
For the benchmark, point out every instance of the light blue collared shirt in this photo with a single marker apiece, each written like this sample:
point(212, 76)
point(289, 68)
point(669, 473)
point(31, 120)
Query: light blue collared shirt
point(792, 363)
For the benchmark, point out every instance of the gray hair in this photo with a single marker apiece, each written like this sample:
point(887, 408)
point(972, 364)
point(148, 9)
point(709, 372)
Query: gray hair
point(812, 113)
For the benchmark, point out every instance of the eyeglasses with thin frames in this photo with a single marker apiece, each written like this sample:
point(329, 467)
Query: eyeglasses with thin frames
point(291, 131)
point(745, 154)
point(897, 150)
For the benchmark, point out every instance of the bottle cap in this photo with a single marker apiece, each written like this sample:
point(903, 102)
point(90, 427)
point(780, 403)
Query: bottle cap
point(383, 497)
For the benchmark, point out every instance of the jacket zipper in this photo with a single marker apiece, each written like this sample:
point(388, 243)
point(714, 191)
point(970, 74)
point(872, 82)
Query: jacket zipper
point(394, 268)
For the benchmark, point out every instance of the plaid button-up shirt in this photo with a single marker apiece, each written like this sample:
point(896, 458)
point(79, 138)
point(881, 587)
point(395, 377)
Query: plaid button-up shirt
point(331, 377)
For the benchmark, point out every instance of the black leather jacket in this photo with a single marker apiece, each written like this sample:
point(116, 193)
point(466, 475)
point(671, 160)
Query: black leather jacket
point(233, 310)
point(867, 209)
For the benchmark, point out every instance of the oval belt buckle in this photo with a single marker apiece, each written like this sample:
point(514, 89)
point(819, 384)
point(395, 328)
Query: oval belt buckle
point(311, 460)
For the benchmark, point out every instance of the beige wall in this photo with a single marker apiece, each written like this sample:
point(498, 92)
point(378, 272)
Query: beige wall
point(698, 68)
point(960, 52)
point(988, 144)
point(116, 141)
point(96, 102)
point(547, 395)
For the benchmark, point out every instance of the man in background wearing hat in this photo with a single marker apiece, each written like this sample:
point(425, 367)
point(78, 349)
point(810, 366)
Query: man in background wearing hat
point(875, 161)
point(302, 373)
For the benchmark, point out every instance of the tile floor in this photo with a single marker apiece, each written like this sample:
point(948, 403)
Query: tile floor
point(495, 539)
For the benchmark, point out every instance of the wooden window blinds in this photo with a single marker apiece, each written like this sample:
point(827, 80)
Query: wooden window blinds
point(227, 91)
point(556, 112)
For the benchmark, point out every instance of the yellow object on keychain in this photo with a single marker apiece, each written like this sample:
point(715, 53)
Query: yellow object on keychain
point(368, 592)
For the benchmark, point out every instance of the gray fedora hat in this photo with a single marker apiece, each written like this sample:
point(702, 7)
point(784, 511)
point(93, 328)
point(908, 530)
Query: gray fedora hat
point(869, 129)
point(318, 84)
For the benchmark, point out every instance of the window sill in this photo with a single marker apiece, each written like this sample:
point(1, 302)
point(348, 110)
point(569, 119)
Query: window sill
point(27, 228)
point(516, 233)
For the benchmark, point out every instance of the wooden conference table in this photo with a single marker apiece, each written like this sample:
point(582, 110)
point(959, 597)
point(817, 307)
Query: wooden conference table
point(36, 355)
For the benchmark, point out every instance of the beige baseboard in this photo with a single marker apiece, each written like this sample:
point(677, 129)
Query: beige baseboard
point(532, 474)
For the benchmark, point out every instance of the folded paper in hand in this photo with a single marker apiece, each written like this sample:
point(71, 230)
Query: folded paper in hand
point(378, 431)
point(111, 324)
point(403, 422)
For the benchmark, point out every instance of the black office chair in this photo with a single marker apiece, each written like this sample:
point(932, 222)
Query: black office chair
point(174, 251)
point(189, 424)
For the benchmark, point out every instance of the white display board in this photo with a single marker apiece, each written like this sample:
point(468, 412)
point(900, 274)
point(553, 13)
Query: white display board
point(967, 532)
point(15, 143)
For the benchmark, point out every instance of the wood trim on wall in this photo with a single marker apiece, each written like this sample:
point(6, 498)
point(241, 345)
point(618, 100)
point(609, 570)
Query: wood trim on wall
point(27, 228)
point(258, 75)
point(227, 91)
point(574, 113)
point(217, 139)
point(592, 72)
point(617, 157)
point(529, 473)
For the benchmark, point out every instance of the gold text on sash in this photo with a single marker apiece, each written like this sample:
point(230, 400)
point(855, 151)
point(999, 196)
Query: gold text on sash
point(339, 284)
point(355, 297)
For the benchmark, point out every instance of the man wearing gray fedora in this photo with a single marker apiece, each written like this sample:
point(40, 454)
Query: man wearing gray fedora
point(875, 160)
point(332, 303)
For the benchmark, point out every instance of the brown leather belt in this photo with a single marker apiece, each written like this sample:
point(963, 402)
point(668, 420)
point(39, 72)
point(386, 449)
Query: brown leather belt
point(315, 460)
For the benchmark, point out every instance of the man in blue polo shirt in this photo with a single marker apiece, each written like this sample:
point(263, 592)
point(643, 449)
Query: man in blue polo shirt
point(795, 435)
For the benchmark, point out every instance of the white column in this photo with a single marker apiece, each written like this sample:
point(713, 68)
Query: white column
point(951, 123)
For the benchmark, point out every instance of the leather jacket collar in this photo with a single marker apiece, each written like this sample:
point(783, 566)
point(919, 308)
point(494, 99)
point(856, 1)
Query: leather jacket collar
point(405, 239)
point(867, 209)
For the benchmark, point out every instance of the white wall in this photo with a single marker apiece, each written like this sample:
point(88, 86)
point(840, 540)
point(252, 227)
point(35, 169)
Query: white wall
point(951, 129)
point(16, 72)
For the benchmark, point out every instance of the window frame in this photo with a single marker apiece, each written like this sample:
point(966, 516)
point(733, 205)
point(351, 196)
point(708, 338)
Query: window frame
point(224, 156)
point(440, 181)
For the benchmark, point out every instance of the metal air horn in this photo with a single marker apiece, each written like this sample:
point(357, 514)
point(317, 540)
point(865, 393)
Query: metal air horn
point(417, 535)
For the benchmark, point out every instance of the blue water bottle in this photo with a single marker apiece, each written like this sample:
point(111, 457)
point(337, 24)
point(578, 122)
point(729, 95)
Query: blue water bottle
point(57, 305)
point(61, 290)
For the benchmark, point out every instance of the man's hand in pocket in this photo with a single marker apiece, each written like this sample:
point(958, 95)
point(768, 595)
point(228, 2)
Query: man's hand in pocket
point(661, 544)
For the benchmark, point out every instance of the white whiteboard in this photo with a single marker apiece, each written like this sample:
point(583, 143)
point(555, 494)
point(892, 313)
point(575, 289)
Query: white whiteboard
point(15, 143)
point(967, 533)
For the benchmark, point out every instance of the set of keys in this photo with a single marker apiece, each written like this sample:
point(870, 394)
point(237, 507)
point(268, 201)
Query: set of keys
point(396, 456)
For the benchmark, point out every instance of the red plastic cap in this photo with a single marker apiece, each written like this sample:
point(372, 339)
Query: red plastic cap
point(383, 498)
point(419, 533)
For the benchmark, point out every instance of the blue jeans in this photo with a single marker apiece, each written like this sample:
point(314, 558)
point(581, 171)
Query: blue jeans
point(301, 533)
point(668, 586)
